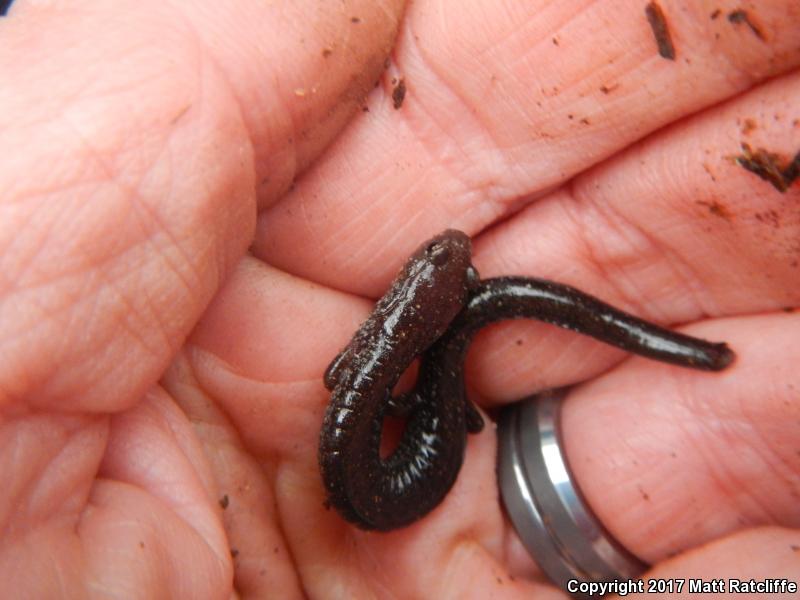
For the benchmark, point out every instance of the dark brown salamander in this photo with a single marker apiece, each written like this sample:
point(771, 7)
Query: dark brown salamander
point(433, 308)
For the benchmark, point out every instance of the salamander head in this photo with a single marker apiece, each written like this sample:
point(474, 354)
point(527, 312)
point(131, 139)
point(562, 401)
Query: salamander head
point(435, 282)
point(447, 257)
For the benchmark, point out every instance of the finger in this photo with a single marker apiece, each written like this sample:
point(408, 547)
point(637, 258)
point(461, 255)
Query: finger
point(244, 488)
point(131, 528)
point(692, 457)
point(133, 155)
point(671, 230)
point(48, 465)
point(152, 515)
point(296, 75)
point(736, 563)
point(494, 120)
point(299, 71)
point(259, 352)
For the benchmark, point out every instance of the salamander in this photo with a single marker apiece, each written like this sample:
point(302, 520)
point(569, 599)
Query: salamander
point(432, 310)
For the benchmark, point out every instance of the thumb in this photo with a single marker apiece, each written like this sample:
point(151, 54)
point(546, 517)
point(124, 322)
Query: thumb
point(137, 140)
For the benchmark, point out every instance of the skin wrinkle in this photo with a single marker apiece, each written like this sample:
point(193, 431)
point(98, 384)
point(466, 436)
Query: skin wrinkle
point(137, 209)
point(51, 464)
point(575, 86)
point(447, 574)
point(444, 83)
point(226, 366)
point(614, 220)
point(22, 486)
point(484, 190)
point(779, 462)
point(153, 225)
point(100, 429)
point(353, 94)
point(741, 494)
point(289, 150)
point(674, 262)
point(281, 530)
point(684, 271)
point(305, 222)
point(12, 284)
point(235, 442)
point(587, 238)
point(546, 41)
point(221, 74)
point(695, 429)
point(388, 13)
point(280, 108)
point(32, 487)
point(613, 274)
point(45, 319)
point(25, 329)
point(155, 536)
point(123, 317)
point(24, 267)
point(362, 254)
point(164, 497)
point(748, 501)
point(365, 555)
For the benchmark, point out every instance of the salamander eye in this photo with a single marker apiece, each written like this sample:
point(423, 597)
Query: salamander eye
point(438, 253)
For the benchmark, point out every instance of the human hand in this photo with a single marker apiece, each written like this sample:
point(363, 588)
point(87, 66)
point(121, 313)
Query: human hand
point(139, 140)
point(532, 119)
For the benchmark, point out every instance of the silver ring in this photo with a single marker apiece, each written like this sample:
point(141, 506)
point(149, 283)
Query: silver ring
point(544, 504)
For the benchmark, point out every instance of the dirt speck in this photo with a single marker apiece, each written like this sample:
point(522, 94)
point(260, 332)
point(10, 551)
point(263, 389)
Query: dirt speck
point(708, 170)
point(739, 16)
point(658, 23)
point(769, 217)
point(769, 166)
point(748, 126)
point(717, 209)
point(398, 92)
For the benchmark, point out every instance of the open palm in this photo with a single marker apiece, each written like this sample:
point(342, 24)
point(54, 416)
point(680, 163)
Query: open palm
point(161, 387)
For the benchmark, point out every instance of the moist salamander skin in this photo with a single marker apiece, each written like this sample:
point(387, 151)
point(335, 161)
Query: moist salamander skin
point(432, 309)
point(383, 494)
